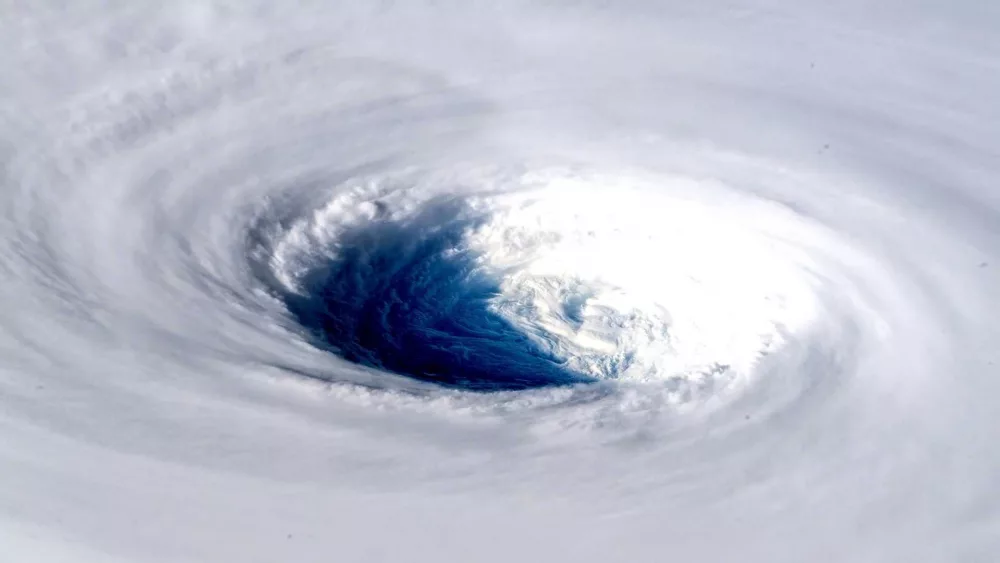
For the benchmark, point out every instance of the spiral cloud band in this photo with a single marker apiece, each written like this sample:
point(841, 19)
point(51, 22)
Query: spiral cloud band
point(473, 281)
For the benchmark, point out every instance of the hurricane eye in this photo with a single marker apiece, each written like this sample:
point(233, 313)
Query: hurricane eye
point(555, 281)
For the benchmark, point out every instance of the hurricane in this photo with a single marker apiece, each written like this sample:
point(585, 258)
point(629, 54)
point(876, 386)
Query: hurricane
point(500, 281)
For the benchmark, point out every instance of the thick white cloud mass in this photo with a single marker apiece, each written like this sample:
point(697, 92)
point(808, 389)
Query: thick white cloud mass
point(500, 281)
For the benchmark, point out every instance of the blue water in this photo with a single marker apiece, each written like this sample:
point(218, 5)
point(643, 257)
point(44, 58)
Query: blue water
point(407, 297)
